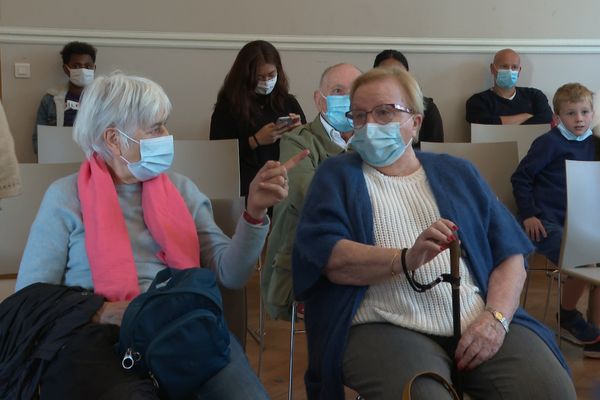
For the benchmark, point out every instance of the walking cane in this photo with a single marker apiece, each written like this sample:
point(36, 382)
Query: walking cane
point(454, 279)
point(455, 282)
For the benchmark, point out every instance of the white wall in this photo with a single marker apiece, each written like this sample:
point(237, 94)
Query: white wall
point(189, 46)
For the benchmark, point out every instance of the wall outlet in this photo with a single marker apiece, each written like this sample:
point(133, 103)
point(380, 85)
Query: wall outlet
point(22, 70)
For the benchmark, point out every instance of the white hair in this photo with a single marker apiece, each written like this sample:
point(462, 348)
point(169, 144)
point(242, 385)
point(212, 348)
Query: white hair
point(119, 101)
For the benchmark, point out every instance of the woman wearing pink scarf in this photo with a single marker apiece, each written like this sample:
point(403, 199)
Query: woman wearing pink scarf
point(121, 219)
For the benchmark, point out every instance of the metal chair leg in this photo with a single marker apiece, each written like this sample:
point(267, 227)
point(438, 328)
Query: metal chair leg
point(550, 277)
point(292, 334)
point(259, 335)
point(559, 297)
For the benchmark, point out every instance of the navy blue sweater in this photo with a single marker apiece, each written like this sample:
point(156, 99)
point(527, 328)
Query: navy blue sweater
point(487, 107)
point(539, 183)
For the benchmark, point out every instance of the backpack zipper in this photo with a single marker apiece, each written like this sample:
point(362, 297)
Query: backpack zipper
point(130, 358)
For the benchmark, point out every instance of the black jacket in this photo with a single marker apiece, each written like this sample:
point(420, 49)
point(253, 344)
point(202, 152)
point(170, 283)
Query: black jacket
point(35, 323)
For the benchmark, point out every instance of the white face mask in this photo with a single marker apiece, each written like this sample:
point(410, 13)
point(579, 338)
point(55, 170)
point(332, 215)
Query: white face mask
point(266, 87)
point(81, 76)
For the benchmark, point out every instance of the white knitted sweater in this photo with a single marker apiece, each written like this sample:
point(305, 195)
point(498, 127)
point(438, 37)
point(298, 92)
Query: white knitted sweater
point(403, 207)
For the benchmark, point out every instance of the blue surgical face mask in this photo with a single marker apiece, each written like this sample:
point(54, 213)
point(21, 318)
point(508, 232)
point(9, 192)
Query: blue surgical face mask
point(266, 87)
point(156, 156)
point(380, 145)
point(571, 136)
point(337, 107)
point(507, 78)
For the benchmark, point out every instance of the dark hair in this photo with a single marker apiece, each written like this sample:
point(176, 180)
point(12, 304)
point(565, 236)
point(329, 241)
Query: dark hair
point(239, 86)
point(77, 48)
point(387, 54)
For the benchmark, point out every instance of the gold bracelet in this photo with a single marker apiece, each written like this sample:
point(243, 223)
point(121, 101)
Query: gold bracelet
point(396, 254)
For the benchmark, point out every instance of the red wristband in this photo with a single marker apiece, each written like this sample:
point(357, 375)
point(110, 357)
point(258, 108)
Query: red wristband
point(252, 220)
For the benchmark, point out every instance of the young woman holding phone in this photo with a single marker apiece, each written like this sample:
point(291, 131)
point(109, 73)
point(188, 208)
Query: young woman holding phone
point(254, 95)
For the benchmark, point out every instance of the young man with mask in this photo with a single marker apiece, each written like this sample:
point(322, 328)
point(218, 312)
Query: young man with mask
point(326, 136)
point(505, 103)
point(59, 105)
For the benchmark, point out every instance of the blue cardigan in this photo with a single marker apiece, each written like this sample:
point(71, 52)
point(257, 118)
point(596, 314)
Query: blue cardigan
point(338, 207)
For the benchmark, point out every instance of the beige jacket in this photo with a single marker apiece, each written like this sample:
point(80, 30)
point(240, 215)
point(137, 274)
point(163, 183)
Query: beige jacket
point(10, 181)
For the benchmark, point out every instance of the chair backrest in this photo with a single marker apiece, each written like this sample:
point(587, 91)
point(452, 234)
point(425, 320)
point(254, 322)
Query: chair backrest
point(495, 161)
point(18, 213)
point(524, 135)
point(56, 145)
point(213, 165)
point(581, 233)
point(226, 213)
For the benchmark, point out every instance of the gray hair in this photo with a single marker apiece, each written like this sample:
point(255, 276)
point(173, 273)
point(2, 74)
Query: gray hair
point(120, 101)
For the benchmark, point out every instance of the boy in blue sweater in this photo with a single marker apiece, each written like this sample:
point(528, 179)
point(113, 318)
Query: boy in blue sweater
point(539, 186)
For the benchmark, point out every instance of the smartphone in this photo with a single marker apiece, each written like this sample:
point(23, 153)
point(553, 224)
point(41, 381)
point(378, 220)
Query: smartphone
point(284, 121)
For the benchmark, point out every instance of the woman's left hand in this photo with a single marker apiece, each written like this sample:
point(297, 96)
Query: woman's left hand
point(480, 342)
point(270, 185)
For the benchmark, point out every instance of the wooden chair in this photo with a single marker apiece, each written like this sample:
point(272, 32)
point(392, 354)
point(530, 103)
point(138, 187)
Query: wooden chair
point(17, 215)
point(226, 213)
point(56, 145)
point(212, 165)
point(495, 161)
point(524, 135)
point(579, 247)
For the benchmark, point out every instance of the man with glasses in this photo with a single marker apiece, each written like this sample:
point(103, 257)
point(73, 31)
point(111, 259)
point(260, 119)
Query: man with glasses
point(505, 103)
point(59, 105)
point(326, 136)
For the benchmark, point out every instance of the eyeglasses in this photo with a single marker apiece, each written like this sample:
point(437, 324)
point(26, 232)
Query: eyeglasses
point(382, 114)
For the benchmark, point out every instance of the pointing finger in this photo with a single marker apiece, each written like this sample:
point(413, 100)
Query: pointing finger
point(292, 162)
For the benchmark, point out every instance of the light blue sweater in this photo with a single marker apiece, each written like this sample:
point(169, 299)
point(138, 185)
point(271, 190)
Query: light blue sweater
point(55, 251)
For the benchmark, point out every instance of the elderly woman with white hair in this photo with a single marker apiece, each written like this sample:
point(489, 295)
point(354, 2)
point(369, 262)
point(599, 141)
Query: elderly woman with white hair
point(105, 227)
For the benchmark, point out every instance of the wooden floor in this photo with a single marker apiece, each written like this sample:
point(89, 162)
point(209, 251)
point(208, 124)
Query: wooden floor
point(274, 374)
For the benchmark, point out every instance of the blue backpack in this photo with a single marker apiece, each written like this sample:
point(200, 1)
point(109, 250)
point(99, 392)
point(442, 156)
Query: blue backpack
point(175, 332)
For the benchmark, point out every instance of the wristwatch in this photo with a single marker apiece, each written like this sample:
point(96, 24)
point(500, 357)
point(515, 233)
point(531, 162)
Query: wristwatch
point(499, 317)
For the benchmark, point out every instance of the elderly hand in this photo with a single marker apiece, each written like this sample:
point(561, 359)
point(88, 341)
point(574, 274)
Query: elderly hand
point(111, 312)
point(534, 228)
point(480, 342)
point(270, 185)
point(431, 242)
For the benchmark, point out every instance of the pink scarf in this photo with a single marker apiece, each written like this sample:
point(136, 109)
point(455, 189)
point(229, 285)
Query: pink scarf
point(107, 242)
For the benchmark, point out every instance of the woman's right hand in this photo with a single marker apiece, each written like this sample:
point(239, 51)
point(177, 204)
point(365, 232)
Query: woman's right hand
point(269, 134)
point(431, 242)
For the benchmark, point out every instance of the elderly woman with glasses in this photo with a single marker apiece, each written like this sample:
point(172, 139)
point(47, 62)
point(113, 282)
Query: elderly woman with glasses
point(118, 222)
point(374, 217)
